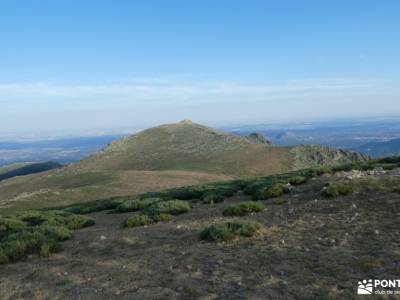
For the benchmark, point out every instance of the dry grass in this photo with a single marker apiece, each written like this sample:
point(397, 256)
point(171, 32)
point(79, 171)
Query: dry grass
point(49, 189)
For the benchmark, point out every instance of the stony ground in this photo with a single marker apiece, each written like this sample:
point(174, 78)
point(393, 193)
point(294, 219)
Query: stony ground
point(311, 248)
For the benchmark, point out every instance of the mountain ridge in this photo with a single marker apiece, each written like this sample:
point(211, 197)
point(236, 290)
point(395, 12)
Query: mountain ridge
point(380, 149)
point(190, 146)
point(165, 156)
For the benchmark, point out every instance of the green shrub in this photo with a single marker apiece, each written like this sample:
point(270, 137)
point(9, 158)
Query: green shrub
point(3, 257)
point(188, 193)
point(389, 167)
point(173, 207)
point(18, 245)
point(138, 220)
point(297, 180)
point(74, 222)
point(226, 190)
point(45, 250)
point(136, 204)
point(396, 190)
point(162, 218)
point(229, 230)
point(58, 233)
point(37, 232)
point(94, 206)
point(240, 184)
point(276, 190)
point(253, 188)
point(144, 219)
point(243, 208)
point(8, 225)
point(55, 218)
point(211, 198)
point(389, 160)
point(334, 190)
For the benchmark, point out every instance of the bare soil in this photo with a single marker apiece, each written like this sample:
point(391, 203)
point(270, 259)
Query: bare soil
point(311, 248)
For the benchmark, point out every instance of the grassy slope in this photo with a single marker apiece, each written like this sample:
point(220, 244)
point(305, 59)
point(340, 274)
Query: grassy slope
point(309, 249)
point(189, 146)
point(26, 168)
point(64, 187)
point(166, 156)
point(12, 167)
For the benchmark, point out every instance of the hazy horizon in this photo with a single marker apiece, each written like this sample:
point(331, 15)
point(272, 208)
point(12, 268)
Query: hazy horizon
point(73, 67)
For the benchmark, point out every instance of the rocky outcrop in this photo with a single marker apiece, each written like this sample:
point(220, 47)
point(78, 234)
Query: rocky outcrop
point(306, 156)
point(258, 138)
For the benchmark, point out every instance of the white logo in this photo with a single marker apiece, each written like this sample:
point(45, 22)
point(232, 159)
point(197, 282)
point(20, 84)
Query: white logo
point(365, 287)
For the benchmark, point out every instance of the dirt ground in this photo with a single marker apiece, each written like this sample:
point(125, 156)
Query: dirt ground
point(311, 248)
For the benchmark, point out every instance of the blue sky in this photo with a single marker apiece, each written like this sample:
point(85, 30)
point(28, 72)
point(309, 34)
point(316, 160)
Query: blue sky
point(79, 66)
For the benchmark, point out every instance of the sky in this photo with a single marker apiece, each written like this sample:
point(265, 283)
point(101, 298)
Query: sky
point(79, 67)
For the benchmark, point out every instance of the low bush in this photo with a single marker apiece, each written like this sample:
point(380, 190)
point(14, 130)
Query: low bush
point(334, 190)
point(253, 188)
point(276, 190)
point(211, 198)
point(144, 219)
point(56, 218)
point(8, 225)
point(37, 232)
point(226, 190)
point(138, 220)
point(136, 204)
point(297, 180)
point(94, 206)
point(29, 241)
point(318, 171)
point(228, 231)
point(188, 193)
point(162, 217)
point(243, 208)
point(58, 233)
point(389, 160)
point(74, 222)
point(396, 190)
point(173, 207)
point(240, 184)
point(3, 257)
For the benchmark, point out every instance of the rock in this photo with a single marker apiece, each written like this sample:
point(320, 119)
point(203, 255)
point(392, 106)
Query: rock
point(258, 138)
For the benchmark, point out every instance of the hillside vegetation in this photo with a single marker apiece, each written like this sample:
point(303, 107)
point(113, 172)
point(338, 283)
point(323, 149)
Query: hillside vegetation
point(193, 147)
point(162, 157)
point(172, 244)
point(26, 169)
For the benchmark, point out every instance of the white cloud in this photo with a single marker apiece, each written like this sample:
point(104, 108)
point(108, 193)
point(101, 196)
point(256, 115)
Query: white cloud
point(151, 101)
point(168, 90)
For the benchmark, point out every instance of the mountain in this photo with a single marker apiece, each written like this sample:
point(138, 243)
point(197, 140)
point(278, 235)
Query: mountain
point(380, 149)
point(162, 157)
point(194, 147)
point(347, 134)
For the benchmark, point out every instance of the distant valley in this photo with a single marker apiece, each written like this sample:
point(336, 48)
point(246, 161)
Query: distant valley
point(356, 135)
point(61, 150)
